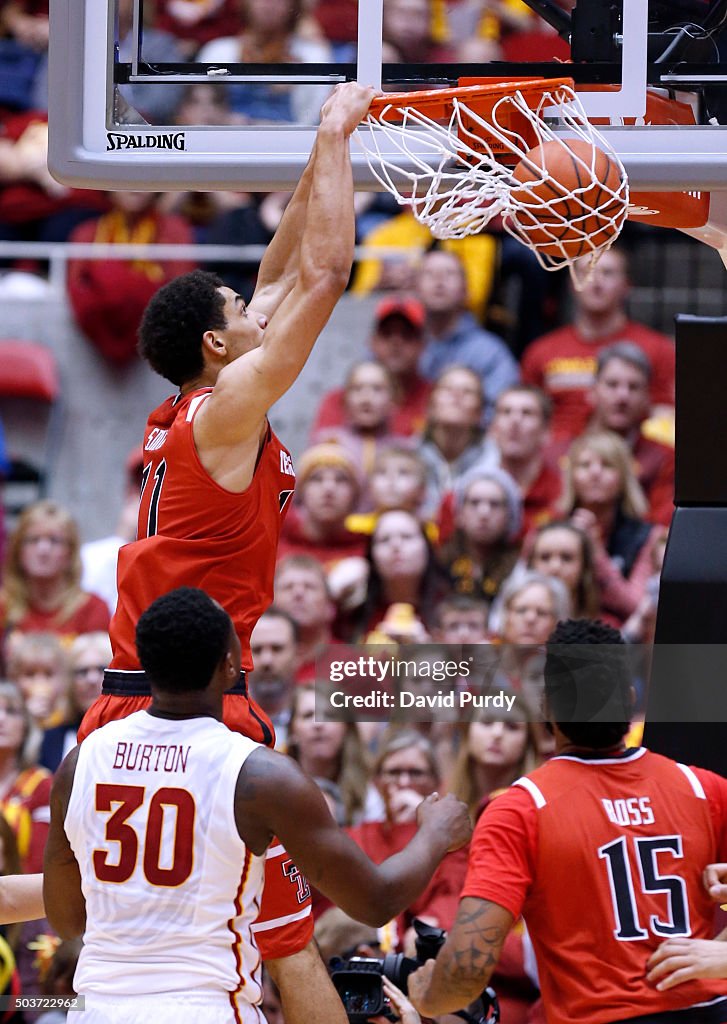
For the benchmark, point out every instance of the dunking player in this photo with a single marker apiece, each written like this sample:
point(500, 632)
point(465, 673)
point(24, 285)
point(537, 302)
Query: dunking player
point(602, 851)
point(216, 479)
point(159, 827)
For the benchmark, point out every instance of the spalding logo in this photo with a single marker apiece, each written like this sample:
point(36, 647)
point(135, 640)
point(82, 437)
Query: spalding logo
point(163, 140)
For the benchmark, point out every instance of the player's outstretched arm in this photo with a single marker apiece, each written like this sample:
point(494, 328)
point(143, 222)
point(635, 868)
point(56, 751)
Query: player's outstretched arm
point(248, 386)
point(465, 962)
point(21, 898)
point(306, 989)
point(680, 960)
point(280, 265)
point(65, 906)
point(274, 797)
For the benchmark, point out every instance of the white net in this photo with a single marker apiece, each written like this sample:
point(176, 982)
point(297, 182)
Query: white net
point(447, 172)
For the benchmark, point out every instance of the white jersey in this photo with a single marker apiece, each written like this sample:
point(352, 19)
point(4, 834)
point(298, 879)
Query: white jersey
point(171, 890)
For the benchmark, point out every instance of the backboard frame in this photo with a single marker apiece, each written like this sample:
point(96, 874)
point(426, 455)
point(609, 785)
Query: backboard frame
point(89, 148)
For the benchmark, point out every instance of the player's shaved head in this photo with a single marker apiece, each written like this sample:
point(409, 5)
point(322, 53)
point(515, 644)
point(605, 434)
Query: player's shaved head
point(181, 639)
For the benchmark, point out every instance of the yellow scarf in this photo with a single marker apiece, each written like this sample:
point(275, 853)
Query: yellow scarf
point(114, 227)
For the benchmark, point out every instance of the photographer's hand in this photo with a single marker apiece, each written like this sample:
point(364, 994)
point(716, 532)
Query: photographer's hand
point(400, 1004)
point(418, 983)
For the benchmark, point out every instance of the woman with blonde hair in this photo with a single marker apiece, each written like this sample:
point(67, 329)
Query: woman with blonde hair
point(496, 749)
point(564, 551)
point(38, 665)
point(330, 751)
point(602, 496)
point(41, 585)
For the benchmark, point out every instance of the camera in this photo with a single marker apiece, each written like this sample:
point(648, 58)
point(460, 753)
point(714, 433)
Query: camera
point(359, 980)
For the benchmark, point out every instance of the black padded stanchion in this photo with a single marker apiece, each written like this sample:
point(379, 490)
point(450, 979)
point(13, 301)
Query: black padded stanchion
point(687, 706)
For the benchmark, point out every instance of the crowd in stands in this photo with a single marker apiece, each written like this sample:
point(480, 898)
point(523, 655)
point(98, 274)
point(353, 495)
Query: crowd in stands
point(450, 494)
point(476, 478)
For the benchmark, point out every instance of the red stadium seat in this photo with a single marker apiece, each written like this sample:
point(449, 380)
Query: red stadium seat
point(28, 370)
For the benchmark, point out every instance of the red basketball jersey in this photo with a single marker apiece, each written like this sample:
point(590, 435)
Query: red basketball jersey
point(192, 532)
point(604, 858)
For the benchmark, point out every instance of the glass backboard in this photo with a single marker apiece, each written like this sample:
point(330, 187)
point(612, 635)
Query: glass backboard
point(116, 122)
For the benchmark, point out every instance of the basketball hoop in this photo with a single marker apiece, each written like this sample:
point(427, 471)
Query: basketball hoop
point(468, 155)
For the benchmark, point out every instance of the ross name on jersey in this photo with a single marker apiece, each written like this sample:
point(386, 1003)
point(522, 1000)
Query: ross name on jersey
point(633, 810)
point(151, 757)
point(286, 464)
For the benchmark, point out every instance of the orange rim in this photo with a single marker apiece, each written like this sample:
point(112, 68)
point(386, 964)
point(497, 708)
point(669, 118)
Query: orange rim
point(438, 103)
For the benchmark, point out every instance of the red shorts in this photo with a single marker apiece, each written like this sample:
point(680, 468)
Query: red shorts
point(239, 713)
point(285, 923)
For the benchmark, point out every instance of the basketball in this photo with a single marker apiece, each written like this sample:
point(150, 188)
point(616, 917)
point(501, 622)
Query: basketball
point(567, 202)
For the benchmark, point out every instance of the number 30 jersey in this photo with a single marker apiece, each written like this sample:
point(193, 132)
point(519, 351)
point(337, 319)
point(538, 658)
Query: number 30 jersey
point(171, 889)
point(603, 857)
point(192, 532)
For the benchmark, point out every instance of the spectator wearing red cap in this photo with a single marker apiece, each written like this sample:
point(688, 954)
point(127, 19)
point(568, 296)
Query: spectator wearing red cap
point(397, 341)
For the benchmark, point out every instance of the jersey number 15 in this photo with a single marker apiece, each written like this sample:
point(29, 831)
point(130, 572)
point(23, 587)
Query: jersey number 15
point(624, 893)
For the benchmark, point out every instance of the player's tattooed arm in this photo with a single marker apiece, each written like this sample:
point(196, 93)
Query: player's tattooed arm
point(466, 961)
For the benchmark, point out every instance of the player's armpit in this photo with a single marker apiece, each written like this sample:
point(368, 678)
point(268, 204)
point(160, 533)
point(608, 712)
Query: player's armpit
point(466, 961)
point(62, 895)
point(306, 990)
